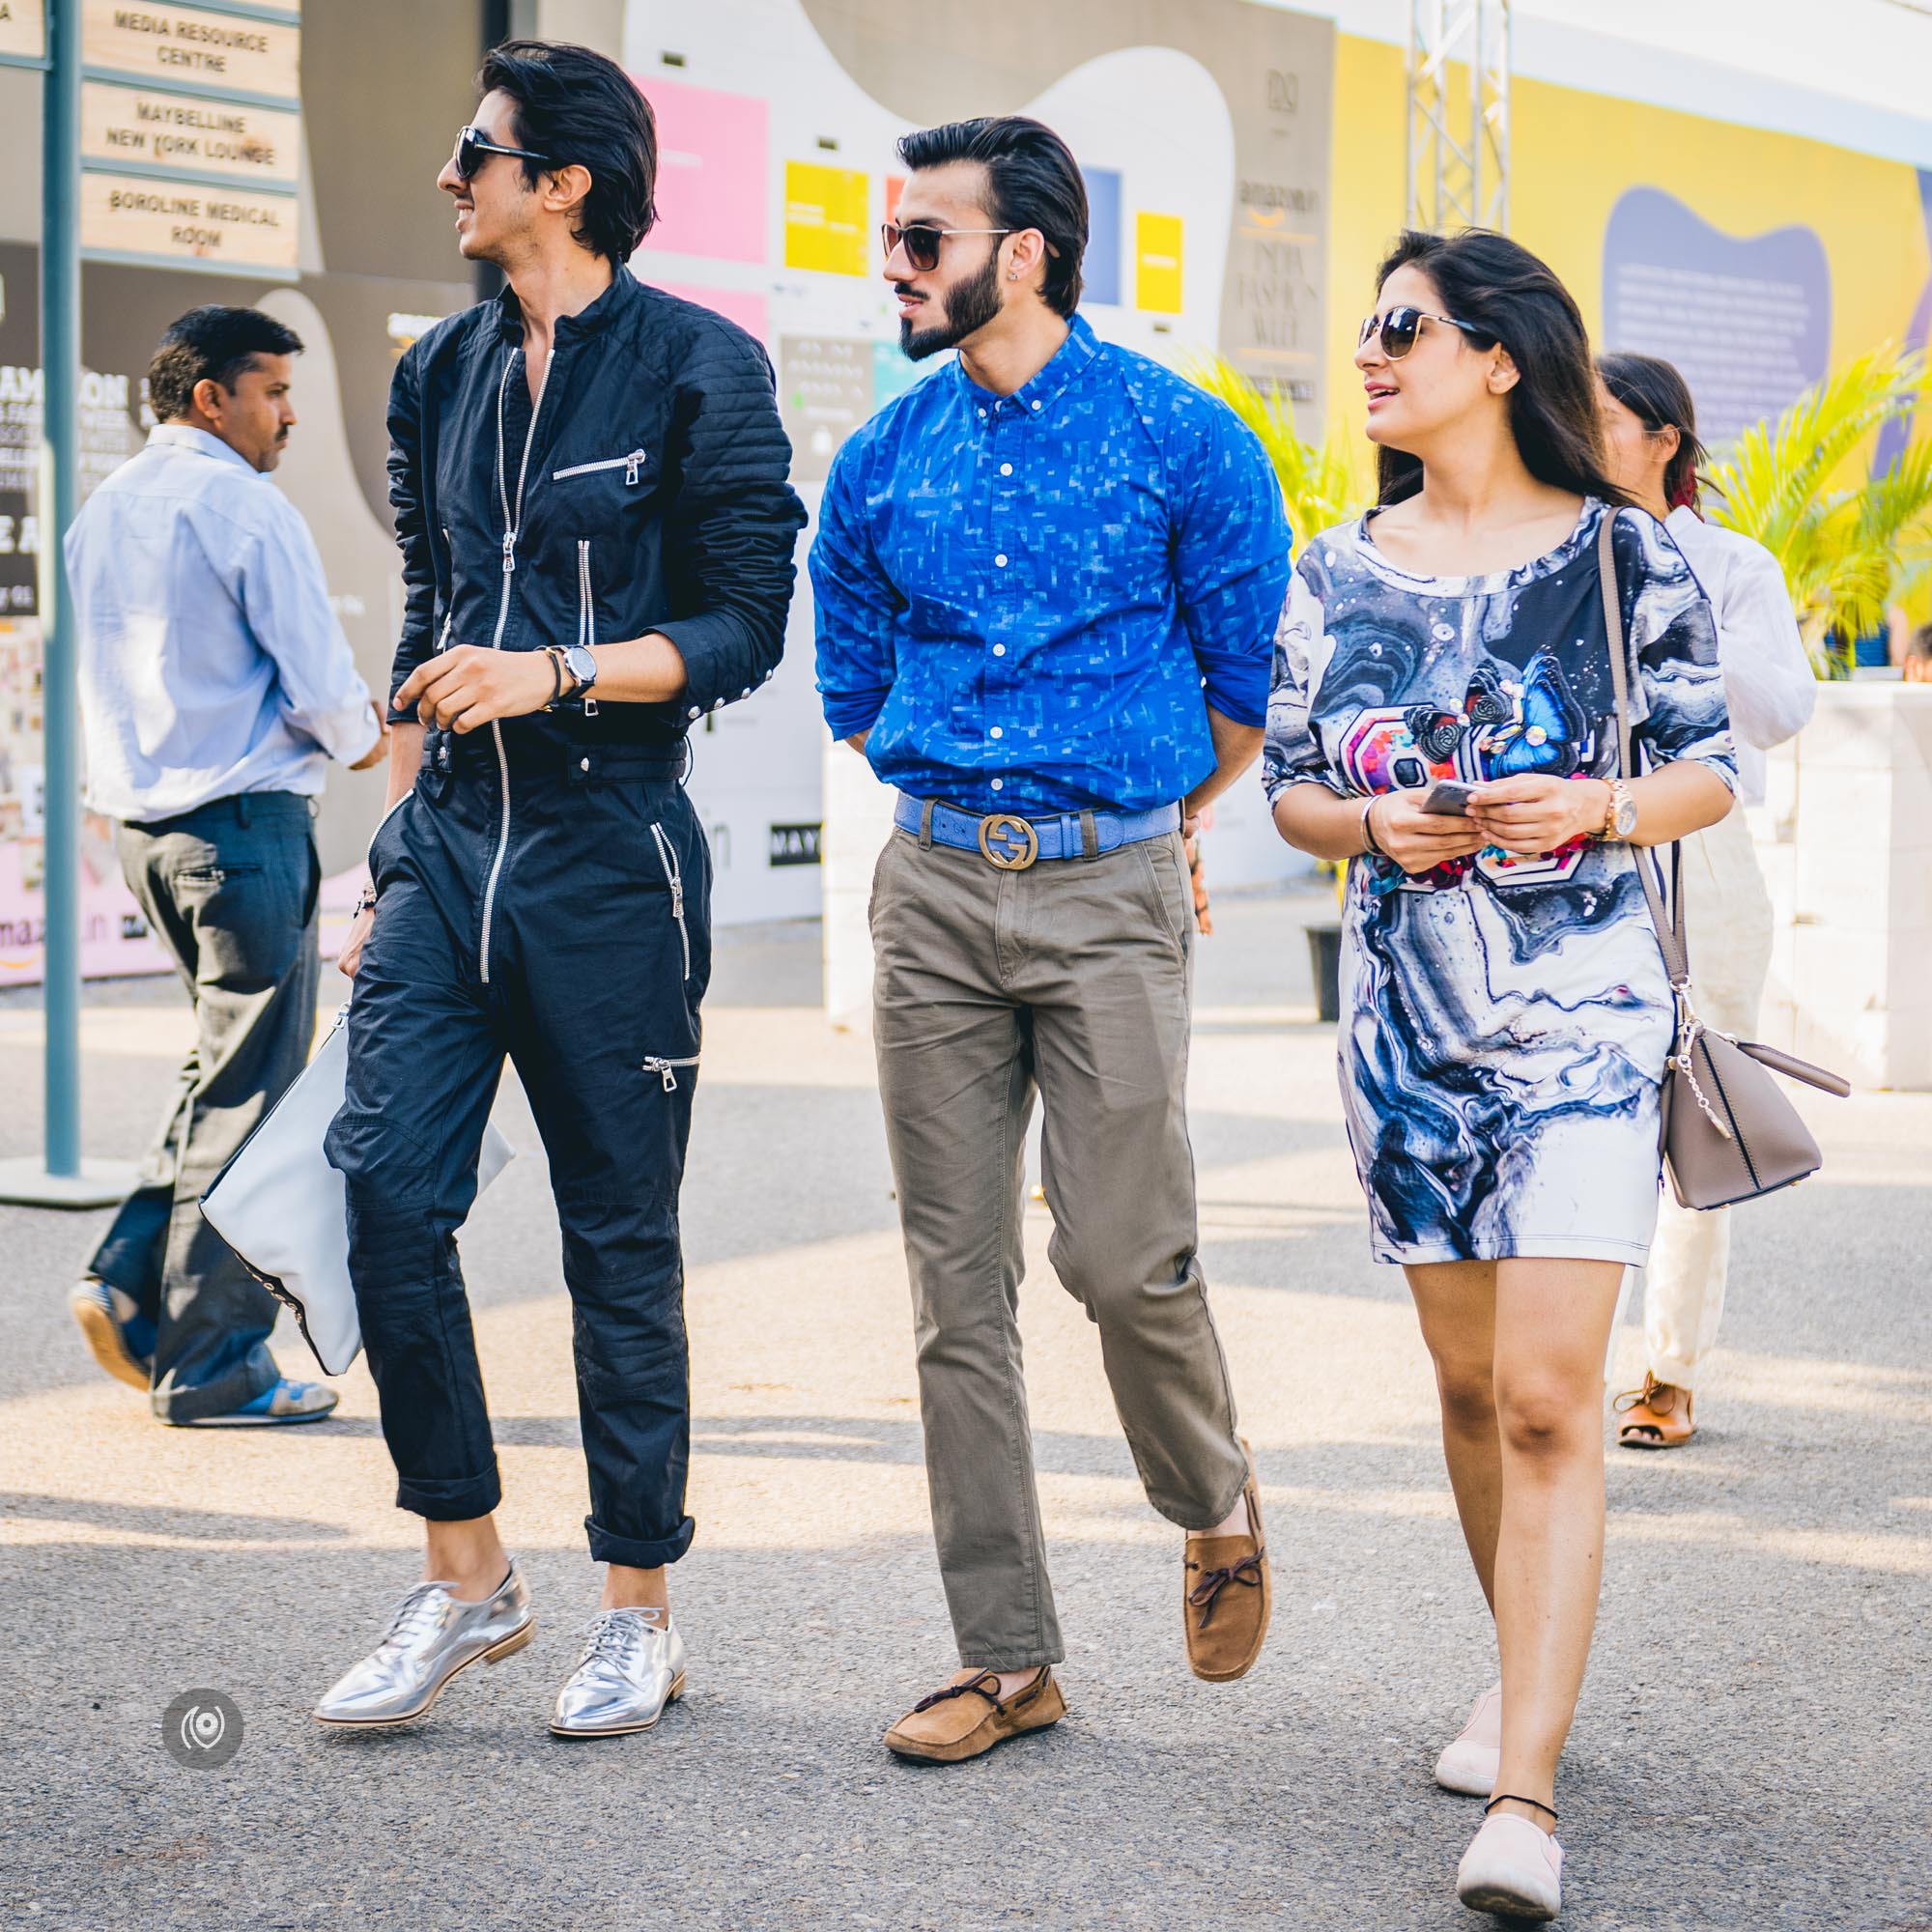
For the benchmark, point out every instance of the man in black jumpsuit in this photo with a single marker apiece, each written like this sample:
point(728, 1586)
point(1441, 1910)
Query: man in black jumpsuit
point(597, 534)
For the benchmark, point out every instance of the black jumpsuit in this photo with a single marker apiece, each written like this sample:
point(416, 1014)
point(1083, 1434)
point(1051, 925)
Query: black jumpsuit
point(544, 891)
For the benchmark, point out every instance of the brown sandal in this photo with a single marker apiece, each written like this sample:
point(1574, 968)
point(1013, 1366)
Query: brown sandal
point(1655, 1416)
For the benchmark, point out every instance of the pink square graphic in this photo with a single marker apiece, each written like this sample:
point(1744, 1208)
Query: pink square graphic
point(711, 172)
point(745, 307)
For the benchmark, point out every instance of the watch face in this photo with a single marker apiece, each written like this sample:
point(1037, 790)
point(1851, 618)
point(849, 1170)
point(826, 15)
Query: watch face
point(1625, 820)
point(583, 665)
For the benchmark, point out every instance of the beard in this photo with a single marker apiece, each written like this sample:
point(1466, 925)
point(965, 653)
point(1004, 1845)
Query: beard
point(970, 305)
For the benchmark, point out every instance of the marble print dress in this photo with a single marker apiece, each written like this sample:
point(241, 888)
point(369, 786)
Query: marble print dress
point(1504, 1020)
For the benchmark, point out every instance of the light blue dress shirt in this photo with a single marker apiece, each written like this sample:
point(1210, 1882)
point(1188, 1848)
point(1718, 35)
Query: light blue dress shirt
point(209, 660)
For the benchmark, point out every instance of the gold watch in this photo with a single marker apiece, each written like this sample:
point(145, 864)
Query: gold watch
point(1620, 819)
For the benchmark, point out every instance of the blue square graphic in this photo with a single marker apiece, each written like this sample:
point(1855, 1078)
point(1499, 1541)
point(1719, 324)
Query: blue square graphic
point(1101, 270)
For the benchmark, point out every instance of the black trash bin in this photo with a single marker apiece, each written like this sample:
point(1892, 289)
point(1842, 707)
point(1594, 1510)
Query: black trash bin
point(1324, 962)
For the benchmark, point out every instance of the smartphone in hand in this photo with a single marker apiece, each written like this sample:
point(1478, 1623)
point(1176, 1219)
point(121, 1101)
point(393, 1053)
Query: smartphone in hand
point(1449, 797)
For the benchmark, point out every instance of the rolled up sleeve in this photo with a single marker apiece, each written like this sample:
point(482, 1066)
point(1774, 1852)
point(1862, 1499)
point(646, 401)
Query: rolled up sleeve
point(284, 597)
point(1231, 556)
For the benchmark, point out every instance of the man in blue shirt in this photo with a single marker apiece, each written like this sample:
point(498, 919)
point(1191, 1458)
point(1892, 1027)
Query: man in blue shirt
point(1048, 581)
point(215, 685)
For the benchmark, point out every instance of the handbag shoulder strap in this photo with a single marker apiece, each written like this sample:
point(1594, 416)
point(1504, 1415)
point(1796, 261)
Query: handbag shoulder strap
point(1671, 939)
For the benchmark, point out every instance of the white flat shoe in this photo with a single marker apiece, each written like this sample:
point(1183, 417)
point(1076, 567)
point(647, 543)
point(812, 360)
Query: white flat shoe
point(1472, 1763)
point(1511, 1867)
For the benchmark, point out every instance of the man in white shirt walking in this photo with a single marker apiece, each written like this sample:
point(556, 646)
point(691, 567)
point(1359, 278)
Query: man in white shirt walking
point(1770, 688)
point(215, 685)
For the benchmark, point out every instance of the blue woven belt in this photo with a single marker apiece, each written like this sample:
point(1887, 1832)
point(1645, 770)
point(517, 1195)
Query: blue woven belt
point(1011, 843)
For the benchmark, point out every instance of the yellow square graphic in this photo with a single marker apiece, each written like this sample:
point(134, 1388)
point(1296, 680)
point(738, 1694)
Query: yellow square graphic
point(825, 219)
point(1157, 263)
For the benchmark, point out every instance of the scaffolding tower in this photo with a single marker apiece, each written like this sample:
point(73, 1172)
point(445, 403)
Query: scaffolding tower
point(1459, 156)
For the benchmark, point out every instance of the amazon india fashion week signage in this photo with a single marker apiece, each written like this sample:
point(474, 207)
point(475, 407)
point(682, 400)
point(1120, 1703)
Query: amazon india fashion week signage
point(191, 136)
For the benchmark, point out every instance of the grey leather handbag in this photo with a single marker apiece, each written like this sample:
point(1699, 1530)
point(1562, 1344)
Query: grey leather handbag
point(1728, 1132)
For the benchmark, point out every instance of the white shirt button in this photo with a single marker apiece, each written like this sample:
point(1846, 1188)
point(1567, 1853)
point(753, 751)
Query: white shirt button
point(695, 711)
point(1035, 405)
point(996, 732)
point(584, 764)
point(982, 416)
point(745, 693)
point(718, 704)
point(997, 786)
point(1000, 559)
point(1006, 470)
point(998, 650)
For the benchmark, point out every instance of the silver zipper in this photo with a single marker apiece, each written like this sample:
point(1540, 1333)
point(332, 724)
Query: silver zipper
point(664, 1069)
point(390, 814)
point(675, 880)
point(512, 519)
point(629, 465)
point(586, 611)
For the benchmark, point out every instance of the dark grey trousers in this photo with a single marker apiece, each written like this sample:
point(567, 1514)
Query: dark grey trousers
point(230, 890)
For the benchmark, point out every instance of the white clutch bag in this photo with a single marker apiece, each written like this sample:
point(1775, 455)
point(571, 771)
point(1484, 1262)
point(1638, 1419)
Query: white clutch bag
point(284, 1210)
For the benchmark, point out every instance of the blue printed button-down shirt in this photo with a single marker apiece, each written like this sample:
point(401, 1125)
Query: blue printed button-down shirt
point(1030, 601)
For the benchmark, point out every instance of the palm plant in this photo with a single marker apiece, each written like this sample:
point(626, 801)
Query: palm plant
point(1848, 546)
point(1318, 485)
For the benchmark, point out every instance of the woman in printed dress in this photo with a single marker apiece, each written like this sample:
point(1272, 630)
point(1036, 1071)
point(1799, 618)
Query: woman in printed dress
point(1505, 1012)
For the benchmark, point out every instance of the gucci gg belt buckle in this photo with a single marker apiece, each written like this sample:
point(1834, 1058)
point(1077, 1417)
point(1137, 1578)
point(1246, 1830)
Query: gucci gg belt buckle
point(1008, 843)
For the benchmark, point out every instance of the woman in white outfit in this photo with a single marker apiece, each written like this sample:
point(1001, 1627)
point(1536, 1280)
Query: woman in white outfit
point(1651, 432)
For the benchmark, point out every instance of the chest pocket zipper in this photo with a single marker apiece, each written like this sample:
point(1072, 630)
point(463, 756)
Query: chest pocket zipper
point(667, 1069)
point(673, 878)
point(630, 465)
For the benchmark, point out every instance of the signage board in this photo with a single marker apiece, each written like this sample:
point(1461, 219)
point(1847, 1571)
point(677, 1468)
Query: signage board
point(23, 32)
point(141, 217)
point(149, 128)
point(194, 48)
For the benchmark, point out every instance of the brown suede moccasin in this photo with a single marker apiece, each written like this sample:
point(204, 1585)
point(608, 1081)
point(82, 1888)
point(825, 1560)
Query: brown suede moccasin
point(1226, 1596)
point(967, 1717)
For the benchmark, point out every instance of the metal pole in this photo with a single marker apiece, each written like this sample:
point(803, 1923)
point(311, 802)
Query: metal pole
point(59, 364)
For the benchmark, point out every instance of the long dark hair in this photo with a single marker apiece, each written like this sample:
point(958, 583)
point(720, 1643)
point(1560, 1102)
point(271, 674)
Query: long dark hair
point(1499, 287)
point(1659, 397)
point(577, 106)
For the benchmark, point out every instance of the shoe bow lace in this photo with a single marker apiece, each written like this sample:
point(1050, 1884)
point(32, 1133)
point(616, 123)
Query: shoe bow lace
point(978, 1684)
point(1206, 1593)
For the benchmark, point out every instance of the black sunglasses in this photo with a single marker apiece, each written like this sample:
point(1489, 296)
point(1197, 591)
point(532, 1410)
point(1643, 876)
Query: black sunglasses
point(922, 241)
point(1399, 328)
point(473, 144)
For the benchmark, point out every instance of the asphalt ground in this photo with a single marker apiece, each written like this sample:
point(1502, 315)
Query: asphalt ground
point(1753, 1749)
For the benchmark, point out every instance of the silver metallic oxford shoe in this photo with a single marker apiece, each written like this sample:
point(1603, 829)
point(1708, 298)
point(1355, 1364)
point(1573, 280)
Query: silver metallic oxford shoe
point(632, 1667)
point(431, 1638)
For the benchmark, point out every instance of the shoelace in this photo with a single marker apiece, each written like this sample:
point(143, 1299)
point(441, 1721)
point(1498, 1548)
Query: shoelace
point(418, 1613)
point(977, 1683)
point(614, 1637)
point(1208, 1592)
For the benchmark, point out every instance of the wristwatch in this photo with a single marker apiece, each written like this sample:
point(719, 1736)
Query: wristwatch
point(581, 661)
point(1620, 820)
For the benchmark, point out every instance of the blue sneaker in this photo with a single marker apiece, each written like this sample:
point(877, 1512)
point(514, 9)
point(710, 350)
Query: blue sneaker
point(118, 1335)
point(282, 1401)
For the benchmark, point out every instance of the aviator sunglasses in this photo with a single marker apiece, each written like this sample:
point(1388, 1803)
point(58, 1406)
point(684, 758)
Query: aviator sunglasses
point(1398, 329)
point(472, 145)
point(920, 240)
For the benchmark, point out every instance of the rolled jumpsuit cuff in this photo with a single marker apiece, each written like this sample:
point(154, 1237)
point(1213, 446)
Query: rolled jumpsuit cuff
point(634, 1553)
point(452, 1499)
